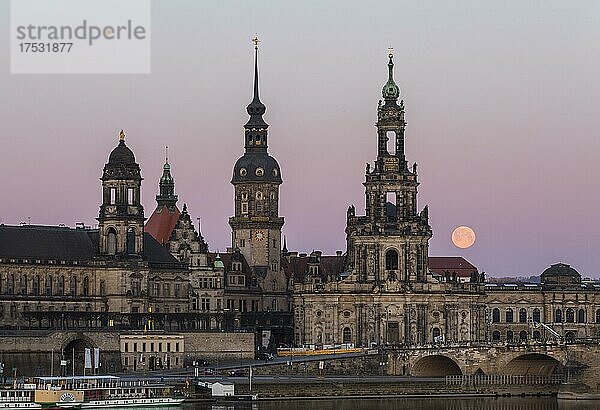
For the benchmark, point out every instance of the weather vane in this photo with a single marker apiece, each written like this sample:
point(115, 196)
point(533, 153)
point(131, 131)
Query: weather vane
point(166, 153)
point(255, 40)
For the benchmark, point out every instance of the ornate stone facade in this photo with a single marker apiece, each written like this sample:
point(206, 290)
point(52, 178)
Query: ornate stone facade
point(54, 277)
point(386, 294)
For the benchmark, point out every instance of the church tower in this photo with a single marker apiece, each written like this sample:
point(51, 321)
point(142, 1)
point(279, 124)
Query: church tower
point(256, 226)
point(390, 243)
point(166, 195)
point(121, 218)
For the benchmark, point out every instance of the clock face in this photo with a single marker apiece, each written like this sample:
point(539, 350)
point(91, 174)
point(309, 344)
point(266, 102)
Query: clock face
point(259, 235)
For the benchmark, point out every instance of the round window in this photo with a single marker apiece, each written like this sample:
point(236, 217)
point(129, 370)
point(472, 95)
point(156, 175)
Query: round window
point(259, 195)
point(243, 172)
point(275, 172)
point(319, 313)
point(260, 172)
point(346, 314)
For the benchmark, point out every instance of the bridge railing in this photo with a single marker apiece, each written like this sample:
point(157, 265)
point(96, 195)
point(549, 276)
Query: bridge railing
point(501, 379)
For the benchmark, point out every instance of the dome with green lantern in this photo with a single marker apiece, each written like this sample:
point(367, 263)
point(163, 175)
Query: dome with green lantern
point(391, 91)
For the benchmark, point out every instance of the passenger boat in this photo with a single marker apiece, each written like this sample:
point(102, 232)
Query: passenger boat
point(88, 392)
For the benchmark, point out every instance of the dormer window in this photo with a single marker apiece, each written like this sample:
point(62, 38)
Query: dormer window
point(260, 172)
point(236, 266)
point(313, 270)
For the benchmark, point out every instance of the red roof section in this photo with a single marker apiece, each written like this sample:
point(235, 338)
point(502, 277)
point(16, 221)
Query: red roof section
point(161, 224)
point(452, 264)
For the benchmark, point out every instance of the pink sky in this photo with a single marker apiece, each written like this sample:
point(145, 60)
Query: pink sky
point(502, 101)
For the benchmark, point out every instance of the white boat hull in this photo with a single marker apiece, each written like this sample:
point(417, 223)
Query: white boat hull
point(111, 403)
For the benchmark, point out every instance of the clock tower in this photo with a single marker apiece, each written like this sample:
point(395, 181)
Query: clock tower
point(256, 226)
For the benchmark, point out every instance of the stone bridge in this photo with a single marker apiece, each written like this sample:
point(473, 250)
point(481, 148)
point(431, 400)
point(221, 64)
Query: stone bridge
point(574, 359)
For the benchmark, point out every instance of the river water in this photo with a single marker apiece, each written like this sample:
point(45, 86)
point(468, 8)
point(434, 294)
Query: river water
point(519, 403)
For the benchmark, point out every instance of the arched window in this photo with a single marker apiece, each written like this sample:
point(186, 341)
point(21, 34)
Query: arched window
point(347, 335)
point(435, 333)
point(11, 286)
point(581, 316)
point(597, 314)
point(48, 286)
point(495, 335)
point(523, 335)
point(391, 260)
point(73, 286)
point(23, 284)
point(61, 285)
point(570, 316)
point(570, 337)
point(510, 335)
point(111, 245)
point(131, 241)
point(537, 335)
point(536, 315)
point(35, 288)
point(86, 286)
point(496, 316)
point(557, 316)
point(509, 315)
point(522, 315)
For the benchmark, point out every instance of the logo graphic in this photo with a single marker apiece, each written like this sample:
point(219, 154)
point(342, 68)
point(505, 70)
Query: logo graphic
point(79, 37)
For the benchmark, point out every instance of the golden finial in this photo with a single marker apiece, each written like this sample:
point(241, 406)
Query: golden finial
point(121, 136)
point(255, 40)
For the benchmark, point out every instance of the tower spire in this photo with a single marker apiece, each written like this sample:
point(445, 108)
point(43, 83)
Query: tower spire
point(166, 196)
point(255, 41)
point(390, 91)
point(256, 127)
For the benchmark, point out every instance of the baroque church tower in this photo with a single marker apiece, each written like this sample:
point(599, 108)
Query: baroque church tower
point(121, 217)
point(256, 226)
point(389, 245)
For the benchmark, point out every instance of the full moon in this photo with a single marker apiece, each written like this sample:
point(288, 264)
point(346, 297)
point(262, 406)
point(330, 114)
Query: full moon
point(463, 237)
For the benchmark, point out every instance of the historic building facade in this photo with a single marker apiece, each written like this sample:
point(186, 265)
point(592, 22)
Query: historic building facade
point(132, 275)
point(387, 290)
point(248, 280)
point(117, 276)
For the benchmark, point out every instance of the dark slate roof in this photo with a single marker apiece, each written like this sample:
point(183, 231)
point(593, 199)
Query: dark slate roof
point(45, 242)
point(330, 266)
point(155, 253)
point(68, 244)
point(251, 161)
point(121, 154)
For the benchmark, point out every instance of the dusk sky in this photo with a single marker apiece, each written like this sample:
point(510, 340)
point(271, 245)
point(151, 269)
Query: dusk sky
point(502, 104)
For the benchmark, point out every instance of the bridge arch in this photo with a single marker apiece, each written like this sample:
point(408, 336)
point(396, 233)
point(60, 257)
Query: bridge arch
point(73, 348)
point(436, 366)
point(537, 364)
